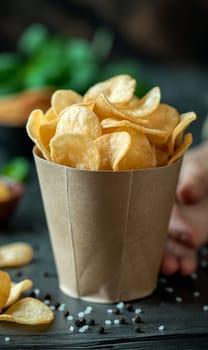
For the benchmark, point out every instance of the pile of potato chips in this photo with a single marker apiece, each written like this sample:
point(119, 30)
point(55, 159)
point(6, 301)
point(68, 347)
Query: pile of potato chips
point(28, 310)
point(110, 128)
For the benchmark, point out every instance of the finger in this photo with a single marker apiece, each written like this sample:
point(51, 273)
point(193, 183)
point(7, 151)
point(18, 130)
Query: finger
point(188, 265)
point(169, 264)
point(180, 230)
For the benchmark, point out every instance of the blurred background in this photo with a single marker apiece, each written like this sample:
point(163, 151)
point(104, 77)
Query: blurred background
point(49, 44)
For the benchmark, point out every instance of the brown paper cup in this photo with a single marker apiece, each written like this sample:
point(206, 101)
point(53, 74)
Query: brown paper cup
point(107, 229)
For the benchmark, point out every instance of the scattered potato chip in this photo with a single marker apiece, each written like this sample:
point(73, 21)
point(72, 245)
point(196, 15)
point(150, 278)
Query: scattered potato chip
point(118, 90)
point(185, 120)
point(140, 155)
point(156, 136)
point(64, 98)
point(15, 254)
point(29, 311)
point(79, 120)
point(5, 285)
point(16, 290)
point(112, 148)
point(181, 149)
point(75, 150)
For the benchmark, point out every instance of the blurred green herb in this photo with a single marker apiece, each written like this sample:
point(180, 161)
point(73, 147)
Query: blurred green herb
point(17, 169)
point(44, 59)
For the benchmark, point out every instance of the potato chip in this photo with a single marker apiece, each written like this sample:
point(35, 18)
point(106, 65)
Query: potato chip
point(118, 90)
point(141, 107)
point(64, 98)
point(46, 131)
point(181, 149)
point(28, 311)
point(79, 120)
point(16, 290)
point(33, 129)
point(15, 254)
point(104, 109)
point(112, 148)
point(140, 155)
point(161, 156)
point(164, 118)
point(75, 150)
point(155, 136)
point(185, 120)
point(50, 114)
point(5, 285)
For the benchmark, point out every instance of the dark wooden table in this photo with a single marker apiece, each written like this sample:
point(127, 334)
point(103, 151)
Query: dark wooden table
point(174, 317)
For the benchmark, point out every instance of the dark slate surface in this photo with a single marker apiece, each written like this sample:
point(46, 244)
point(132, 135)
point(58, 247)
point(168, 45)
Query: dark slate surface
point(177, 303)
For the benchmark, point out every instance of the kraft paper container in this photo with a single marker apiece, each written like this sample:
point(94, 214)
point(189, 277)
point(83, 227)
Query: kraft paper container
point(107, 229)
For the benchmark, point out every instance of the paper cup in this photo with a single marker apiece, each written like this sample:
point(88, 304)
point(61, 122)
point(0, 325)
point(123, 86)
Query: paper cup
point(107, 228)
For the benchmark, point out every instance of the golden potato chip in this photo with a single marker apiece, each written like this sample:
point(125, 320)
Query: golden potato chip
point(79, 120)
point(181, 149)
point(104, 109)
point(50, 114)
point(64, 98)
point(118, 90)
point(46, 131)
point(36, 118)
point(75, 150)
point(141, 107)
point(5, 285)
point(28, 311)
point(164, 118)
point(161, 156)
point(16, 290)
point(155, 136)
point(15, 254)
point(140, 155)
point(185, 120)
point(112, 148)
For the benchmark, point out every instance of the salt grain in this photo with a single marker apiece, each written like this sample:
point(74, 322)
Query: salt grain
point(108, 322)
point(52, 307)
point(120, 305)
point(179, 299)
point(61, 307)
point(116, 321)
point(46, 301)
point(37, 291)
point(83, 329)
point(161, 327)
point(169, 289)
point(7, 339)
point(109, 311)
point(88, 310)
point(205, 308)
point(196, 294)
point(194, 276)
point(70, 318)
point(71, 328)
point(138, 311)
point(81, 314)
